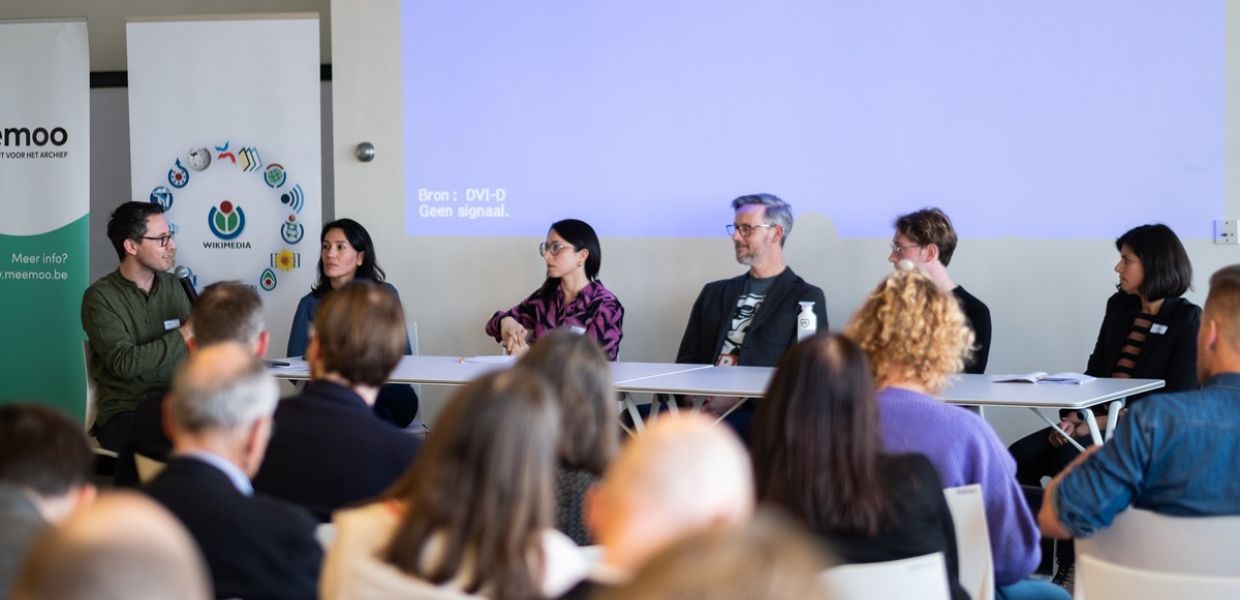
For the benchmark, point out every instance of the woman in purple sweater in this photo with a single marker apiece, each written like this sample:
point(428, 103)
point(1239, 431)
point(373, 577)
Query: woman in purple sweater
point(916, 338)
point(571, 297)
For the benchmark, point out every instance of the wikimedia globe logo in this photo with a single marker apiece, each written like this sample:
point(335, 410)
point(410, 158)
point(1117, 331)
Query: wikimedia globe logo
point(226, 221)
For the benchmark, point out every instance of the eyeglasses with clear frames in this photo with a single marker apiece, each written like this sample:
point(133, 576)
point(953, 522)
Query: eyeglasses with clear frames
point(554, 248)
point(162, 239)
point(744, 228)
point(897, 249)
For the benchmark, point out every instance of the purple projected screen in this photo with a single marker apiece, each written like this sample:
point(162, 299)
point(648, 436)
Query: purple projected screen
point(1052, 119)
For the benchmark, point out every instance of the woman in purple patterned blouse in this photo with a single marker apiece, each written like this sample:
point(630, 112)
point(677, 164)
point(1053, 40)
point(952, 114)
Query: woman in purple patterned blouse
point(572, 296)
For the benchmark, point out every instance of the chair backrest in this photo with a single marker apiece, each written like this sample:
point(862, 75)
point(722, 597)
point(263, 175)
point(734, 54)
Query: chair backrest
point(325, 534)
point(148, 467)
point(89, 410)
point(977, 570)
point(413, 337)
point(1097, 579)
point(1142, 539)
point(922, 577)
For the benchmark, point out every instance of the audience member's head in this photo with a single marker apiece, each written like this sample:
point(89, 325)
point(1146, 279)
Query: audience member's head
point(129, 223)
point(580, 376)
point(482, 488)
point(1167, 272)
point(684, 473)
point(229, 311)
point(125, 547)
point(928, 232)
point(1218, 338)
point(819, 416)
point(914, 333)
point(358, 335)
point(221, 402)
point(767, 558)
point(46, 455)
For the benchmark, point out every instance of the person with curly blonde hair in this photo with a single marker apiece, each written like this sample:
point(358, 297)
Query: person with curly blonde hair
point(917, 339)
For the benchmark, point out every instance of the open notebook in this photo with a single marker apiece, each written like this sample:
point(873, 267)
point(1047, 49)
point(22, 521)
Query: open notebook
point(1042, 377)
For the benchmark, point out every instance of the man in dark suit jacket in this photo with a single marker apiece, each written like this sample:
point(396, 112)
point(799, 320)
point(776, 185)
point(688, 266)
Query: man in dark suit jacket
point(220, 419)
point(751, 319)
point(329, 450)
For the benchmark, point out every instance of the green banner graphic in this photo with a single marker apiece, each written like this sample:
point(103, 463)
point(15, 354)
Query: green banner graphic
point(41, 280)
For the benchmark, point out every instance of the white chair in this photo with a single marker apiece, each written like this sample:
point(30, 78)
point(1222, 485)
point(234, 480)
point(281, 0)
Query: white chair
point(977, 571)
point(921, 577)
point(1104, 580)
point(1141, 539)
point(89, 410)
point(417, 426)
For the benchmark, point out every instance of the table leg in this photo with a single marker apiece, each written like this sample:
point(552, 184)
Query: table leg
point(631, 406)
point(1056, 429)
point(1092, 421)
point(1113, 417)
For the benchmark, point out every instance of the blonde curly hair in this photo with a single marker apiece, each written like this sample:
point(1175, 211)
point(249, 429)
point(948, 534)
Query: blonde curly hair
point(912, 331)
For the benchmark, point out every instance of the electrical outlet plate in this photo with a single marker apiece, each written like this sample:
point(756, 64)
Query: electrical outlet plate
point(1225, 233)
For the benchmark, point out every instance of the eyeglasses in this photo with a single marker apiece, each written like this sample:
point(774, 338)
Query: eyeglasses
point(163, 239)
point(898, 249)
point(554, 248)
point(744, 228)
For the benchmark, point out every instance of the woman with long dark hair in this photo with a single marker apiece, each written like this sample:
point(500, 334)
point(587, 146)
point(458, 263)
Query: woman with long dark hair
point(572, 295)
point(818, 455)
point(347, 253)
point(579, 376)
point(474, 514)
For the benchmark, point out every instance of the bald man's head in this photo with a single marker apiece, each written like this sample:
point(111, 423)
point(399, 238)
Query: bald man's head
point(683, 473)
point(125, 546)
point(222, 387)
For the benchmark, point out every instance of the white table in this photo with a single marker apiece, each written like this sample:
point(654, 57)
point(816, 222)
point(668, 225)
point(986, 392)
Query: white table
point(979, 390)
point(751, 382)
point(458, 370)
point(970, 390)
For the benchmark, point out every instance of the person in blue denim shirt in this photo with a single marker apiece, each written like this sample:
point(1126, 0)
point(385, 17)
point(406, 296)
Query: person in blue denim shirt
point(1176, 454)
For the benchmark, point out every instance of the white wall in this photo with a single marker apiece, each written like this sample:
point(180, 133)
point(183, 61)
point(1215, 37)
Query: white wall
point(1046, 297)
point(105, 19)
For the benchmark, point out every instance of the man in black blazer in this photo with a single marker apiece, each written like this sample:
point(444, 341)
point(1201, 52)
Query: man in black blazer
point(219, 416)
point(751, 319)
point(329, 450)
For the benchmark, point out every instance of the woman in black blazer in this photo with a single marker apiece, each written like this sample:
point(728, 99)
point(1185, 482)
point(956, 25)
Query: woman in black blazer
point(1149, 332)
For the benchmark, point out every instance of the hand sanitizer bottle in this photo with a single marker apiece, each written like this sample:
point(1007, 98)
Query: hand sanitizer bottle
point(807, 321)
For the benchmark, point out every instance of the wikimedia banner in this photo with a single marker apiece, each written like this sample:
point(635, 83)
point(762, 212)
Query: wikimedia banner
point(45, 196)
point(227, 141)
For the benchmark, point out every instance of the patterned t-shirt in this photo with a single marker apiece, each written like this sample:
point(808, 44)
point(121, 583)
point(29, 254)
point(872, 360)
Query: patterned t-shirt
point(747, 305)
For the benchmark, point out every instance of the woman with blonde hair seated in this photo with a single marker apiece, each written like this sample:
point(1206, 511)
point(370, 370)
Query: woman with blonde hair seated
point(473, 517)
point(917, 339)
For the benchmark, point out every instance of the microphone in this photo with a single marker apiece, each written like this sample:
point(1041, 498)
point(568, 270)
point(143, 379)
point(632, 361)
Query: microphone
point(182, 273)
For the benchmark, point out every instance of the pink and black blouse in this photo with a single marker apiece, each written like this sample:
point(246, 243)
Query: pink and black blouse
point(595, 309)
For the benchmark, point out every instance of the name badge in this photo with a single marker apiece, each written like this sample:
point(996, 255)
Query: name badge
point(171, 324)
point(1158, 329)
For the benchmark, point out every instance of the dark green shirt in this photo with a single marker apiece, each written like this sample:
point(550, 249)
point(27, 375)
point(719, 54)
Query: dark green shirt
point(135, 345)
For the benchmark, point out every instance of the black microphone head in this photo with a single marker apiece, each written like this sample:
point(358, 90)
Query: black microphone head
point(182, 272)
